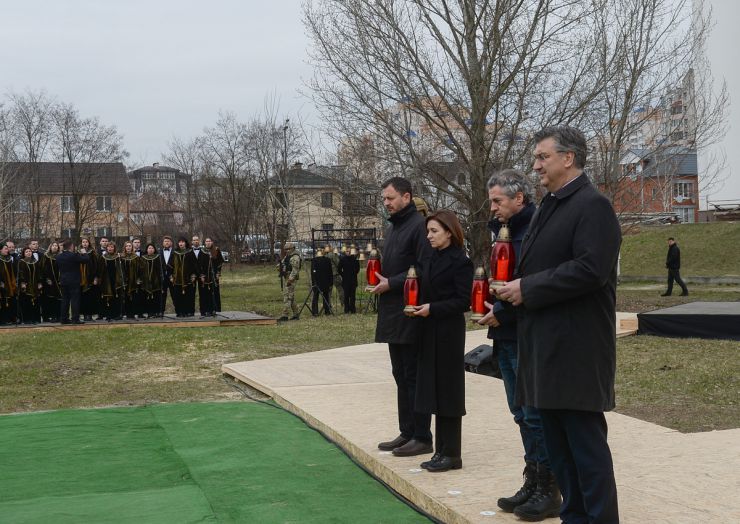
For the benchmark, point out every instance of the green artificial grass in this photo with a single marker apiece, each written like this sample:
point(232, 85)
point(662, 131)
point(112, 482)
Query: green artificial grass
point(209, 462)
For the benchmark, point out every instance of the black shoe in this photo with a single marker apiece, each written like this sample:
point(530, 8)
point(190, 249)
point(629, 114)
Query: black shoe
point(390, 445)
point(78, 321)
point(545, 501)
point(525, 492)
point(295, 317)
point(445, 464)
point(412, 448)
point(283, 319)
point(435, 458)
point(665, 294)
point(66, 321)
point(684, 294)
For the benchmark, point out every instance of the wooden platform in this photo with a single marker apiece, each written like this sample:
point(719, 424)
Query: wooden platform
point(223, 318)
point(663, 476)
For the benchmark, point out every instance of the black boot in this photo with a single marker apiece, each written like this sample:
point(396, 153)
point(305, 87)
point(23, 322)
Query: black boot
point(546, 500)
point(525, 492)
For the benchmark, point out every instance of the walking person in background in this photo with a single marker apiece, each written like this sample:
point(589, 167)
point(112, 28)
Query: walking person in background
point(673, 264)
point(446, 279)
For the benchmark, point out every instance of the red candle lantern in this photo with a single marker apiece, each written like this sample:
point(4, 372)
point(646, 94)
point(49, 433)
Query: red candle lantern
point(373, 266)
point(479, 294)
point(411, 292)
point(503, 260)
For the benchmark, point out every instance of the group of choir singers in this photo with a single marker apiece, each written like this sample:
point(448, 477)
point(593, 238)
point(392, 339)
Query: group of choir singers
point(131, 283)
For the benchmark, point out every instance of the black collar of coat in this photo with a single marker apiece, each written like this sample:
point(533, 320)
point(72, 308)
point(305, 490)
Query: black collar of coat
point(441, 260)
point(522, 218)
point(570, 188)
point(401, 216)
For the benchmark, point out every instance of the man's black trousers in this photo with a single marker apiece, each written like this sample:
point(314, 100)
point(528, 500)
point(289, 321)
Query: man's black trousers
point(582, 464)
point(70, 296)
point(404, 363)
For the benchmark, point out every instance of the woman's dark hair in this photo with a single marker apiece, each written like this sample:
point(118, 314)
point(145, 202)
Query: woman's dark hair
point(27, 248)
point(449, 222)
point(146, 248)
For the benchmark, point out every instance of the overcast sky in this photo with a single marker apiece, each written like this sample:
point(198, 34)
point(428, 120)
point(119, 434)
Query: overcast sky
point(160, 68)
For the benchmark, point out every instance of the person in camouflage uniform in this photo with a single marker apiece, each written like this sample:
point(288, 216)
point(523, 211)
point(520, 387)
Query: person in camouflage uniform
point(290, 268)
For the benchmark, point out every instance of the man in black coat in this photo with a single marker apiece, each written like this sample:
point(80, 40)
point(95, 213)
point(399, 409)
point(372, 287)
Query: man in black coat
point(566, 293)
point(511, 196)
point(70, 278)
point(322, 280)
point(348, 269)
point(405, 245)
point(673, 264)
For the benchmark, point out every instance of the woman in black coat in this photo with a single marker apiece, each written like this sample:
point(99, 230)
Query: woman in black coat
point(446, 280)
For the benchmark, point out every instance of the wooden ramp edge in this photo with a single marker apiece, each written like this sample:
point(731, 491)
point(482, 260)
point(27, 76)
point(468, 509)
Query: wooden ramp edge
point(222, 319)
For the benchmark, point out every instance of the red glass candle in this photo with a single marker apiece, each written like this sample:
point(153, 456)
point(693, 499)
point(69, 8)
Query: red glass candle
point(503, 260)
point(479, 295)
point(411, 292)
point(373, 266)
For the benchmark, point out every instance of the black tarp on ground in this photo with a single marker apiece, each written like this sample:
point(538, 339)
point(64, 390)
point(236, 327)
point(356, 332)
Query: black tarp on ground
point(695, 319)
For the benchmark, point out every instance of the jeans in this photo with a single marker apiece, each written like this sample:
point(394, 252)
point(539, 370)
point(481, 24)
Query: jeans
point(526, 417)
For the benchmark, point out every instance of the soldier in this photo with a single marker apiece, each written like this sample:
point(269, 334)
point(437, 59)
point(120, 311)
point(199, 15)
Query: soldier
point(290, 268)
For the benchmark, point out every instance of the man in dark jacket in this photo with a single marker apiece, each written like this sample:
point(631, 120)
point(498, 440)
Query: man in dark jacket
point(70, 277)
point(348, 269)
point(321, 280)
point(566, 293)
point(405, 245)
point(511, 196)
point(673, 264)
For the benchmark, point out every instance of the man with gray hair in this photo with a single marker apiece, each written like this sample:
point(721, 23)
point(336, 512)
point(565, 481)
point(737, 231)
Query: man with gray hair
point(565, 287)
point(511, 196)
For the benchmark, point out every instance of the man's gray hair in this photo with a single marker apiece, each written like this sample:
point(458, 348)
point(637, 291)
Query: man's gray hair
point(511, 182)
point(567, 139)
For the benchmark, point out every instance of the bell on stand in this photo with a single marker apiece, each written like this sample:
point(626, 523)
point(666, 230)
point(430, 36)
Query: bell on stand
point(411, 292)
point(373, 267)
point(503, 260)
point(479, 294)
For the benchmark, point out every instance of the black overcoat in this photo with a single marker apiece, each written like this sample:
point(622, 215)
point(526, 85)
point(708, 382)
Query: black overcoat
point(673, 258)
point(349, 267)
point(321, 274)
point(405, 245)
point(446, 282)
point(566, 325)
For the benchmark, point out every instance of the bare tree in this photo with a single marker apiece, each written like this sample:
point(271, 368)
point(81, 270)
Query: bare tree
point(80, 144)
point(30, 119)
point(434, 81)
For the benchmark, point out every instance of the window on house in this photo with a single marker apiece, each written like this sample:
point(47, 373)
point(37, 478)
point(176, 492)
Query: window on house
point(281, 199)
point(327, 199)
point(69, 233)
point(654, 193)
point(683, 190)
point(21, 205)
point(103, 232)
point(103, 203)
point(330, 227)
point(685, 214)
point(67, 204)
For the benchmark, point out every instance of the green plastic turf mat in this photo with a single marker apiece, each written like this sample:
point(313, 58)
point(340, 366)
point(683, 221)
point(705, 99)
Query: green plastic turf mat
point(209, 462)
